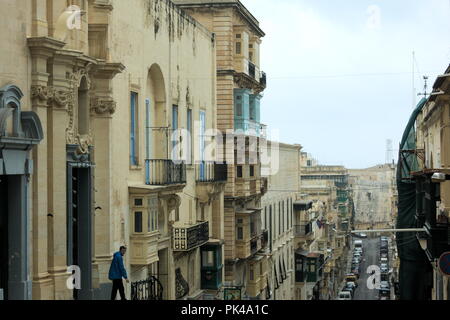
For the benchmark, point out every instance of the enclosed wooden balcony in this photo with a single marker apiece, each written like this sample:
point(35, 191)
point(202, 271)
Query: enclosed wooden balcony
point(249, 236)
point(247, 187)
point(145, 229)
point(257, 276)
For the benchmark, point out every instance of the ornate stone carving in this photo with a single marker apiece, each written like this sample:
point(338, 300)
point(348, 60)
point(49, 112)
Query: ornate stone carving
point(72, 137)
point(173, 202)
point(103, 106)
point(188, 97)
point(181, 285)
point(83, 143)
point(59, 98)
point(51, 95)
point(39, 92)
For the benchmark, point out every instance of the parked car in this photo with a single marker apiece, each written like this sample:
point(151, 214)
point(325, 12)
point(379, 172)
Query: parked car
point(357, 256)
point(351, 284)
point(363, 235)
point(384, 267)
point(357, 244)
point(384, 295)
point(349, 289)
point(344, 295)
point(358, 249)
point(383, 255)
point(351, 277)
point(356, 272)
point(384, 285)
point(384, 260)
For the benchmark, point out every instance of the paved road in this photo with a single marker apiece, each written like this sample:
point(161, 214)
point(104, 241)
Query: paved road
point(371, 257)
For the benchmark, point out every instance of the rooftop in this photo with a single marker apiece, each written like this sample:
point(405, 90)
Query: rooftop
point(243, 11)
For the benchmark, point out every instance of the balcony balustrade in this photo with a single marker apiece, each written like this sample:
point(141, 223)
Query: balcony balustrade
point(262, 79)
point(302, 230)
point(209, 171)
point(187, 238)
point(149, 289)
point(251, 70)
point(164, 172)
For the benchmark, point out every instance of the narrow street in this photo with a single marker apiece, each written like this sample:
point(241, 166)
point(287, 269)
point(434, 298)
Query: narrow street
point(371, 256)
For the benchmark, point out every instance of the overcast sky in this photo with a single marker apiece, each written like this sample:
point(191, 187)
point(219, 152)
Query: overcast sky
point(340, 71)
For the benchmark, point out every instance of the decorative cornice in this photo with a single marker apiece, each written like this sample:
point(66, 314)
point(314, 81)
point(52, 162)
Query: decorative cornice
point(44, 45)
point(107, 70)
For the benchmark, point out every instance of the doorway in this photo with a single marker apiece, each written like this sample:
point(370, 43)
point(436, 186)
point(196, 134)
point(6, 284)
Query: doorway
point(79, 227)
point(4, 236)
point(163, 272)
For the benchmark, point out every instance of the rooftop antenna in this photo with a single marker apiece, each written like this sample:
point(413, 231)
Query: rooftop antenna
point(425, 86)
point(389, 151)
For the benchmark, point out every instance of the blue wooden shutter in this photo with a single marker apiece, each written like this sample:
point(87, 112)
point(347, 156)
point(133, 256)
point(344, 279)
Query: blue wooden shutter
point(133, 158)
point(174, 129)
point(202, 144)
point(147, 140)
point(189, 142)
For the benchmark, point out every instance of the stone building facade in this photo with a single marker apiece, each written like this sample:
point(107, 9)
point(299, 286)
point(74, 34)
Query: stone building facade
point(432, 182)
point(240, 83)
point(278, 219)
point(105, 87)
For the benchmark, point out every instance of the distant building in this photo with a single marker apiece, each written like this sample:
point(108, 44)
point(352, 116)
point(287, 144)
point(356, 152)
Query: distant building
point(322, 217)
point(240, 82)
point(278, 219)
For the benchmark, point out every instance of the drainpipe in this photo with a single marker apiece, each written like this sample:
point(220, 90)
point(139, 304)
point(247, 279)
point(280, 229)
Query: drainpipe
point(147, 140)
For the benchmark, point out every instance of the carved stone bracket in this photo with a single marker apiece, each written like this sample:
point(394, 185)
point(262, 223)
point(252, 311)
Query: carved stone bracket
point(245, 81)
point(173, 201)
point(103, 106)
point(209, 192)
point(51, 96)
point(40, 93)
point(59, 98)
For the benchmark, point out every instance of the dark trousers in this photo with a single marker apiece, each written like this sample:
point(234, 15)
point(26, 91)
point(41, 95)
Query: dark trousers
point(118, 285)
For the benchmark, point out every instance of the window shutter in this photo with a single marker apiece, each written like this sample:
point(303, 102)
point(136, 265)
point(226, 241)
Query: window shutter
point(133, 158)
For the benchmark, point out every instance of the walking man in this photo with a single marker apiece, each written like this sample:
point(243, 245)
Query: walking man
point(117, 272)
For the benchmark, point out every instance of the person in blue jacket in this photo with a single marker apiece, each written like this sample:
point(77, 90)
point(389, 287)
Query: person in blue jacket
point(117, 272)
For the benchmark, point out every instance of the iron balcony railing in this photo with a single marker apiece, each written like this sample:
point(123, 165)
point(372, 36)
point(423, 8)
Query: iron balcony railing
point(262, 79)
point(210, 171)
point(265, 238)
point(164, 172)
point(251, 70)
point(190, 237)
point(149, 289)
point(254, 245)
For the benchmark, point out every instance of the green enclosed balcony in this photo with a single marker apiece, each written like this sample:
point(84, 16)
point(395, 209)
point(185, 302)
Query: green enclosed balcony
point(247, 112)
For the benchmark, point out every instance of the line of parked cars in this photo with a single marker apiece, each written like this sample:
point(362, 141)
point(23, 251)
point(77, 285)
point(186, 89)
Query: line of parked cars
point(385, 289)
point(351, 279)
